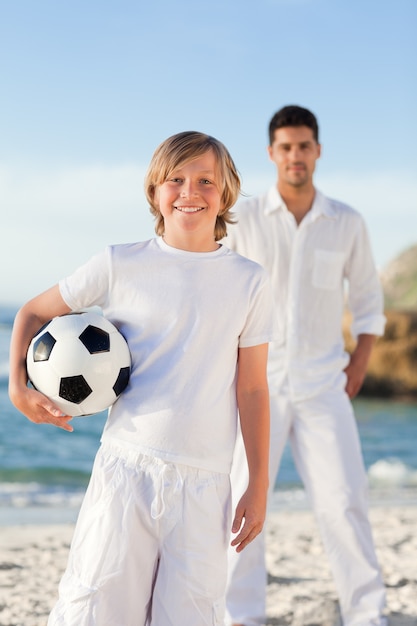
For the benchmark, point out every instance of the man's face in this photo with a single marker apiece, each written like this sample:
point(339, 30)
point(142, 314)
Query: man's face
point(295, 152)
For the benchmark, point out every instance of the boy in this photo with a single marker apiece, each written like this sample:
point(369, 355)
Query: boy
point(151, 540)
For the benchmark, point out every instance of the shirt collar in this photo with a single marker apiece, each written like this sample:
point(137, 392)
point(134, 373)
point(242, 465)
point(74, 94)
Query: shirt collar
point(274, 202)
point(321, 205)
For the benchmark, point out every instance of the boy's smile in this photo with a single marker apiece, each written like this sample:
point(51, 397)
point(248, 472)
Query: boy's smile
point(189, 209)
point(190, 201)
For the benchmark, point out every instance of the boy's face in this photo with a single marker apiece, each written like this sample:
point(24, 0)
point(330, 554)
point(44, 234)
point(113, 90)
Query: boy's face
point(294, 152)
point(189, 201)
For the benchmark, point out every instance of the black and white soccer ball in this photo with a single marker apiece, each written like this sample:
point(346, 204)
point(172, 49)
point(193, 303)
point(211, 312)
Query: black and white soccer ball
point(80, 361)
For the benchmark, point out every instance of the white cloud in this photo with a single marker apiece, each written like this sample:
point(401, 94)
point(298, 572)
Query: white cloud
point(393, 194)
point(83, 190)
point(54, 220)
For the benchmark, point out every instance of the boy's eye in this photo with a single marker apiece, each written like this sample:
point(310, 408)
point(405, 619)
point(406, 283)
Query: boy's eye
point(205, 181)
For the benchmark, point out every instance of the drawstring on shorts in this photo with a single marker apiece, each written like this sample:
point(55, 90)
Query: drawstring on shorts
point(158, 503)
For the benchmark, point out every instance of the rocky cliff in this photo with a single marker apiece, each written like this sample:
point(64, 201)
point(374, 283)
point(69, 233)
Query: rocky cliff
point(392, 368)
point(399, 281)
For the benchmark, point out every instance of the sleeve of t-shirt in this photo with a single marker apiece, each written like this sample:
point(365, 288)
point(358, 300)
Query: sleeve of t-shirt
point(259, 325)
point(89, 284)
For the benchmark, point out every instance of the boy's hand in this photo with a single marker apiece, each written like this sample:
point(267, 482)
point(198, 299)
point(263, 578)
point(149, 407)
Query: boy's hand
point(40, 410)
point(252, 509)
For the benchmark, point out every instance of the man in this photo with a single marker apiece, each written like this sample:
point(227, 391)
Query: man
point(312, 246)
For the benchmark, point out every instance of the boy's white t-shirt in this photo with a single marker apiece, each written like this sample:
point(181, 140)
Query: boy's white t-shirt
point(184, 315)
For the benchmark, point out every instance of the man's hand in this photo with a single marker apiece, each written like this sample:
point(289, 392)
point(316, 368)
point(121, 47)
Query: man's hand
point(358, 364)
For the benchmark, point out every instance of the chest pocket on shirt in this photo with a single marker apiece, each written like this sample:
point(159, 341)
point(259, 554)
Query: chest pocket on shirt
point(327, 269)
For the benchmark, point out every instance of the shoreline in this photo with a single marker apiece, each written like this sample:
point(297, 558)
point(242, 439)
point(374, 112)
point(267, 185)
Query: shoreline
point(281, 502)
point(300, 587)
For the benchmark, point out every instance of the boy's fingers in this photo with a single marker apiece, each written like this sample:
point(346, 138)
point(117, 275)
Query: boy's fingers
point(63, 422)
point(243, 539)
point(57, 417)
point(53, 410)
point(237, 522)
point(242, 536)
point(247, 534)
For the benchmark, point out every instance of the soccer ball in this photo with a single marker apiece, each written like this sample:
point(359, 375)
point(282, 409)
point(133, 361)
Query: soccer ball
point(80, 361)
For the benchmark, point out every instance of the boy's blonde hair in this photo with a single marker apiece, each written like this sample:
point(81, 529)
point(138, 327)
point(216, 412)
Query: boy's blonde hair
point(181, 149)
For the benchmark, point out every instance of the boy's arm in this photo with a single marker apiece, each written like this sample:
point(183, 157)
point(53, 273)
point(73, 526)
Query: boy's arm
point(37, 407)
point(253, 403)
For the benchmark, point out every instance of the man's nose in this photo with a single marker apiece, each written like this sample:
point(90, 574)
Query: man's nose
point(295, 153)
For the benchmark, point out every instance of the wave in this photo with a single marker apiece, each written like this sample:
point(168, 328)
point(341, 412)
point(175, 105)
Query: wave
point(29, 495)
point(41, 495)
point(391, 473)
point(42, 487)
point(391, 481)
point(54, 488)
point(48, 476)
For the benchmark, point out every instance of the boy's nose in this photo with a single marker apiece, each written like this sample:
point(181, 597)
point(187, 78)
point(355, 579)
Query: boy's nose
point(188, 190)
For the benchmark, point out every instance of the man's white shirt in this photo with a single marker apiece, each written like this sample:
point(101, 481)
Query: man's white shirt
point(314, 267)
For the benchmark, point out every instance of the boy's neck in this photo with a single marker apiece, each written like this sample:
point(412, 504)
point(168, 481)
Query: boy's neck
point(191, 243)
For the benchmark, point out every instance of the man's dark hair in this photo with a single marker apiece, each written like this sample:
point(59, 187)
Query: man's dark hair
point(293, 115)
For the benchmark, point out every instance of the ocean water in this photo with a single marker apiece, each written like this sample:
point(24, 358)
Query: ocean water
point(44, 471)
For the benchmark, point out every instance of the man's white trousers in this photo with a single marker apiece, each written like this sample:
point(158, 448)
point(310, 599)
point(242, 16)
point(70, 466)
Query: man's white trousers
point(326, 450)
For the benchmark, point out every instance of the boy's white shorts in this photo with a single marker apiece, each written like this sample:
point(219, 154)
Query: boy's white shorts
point(149, 547)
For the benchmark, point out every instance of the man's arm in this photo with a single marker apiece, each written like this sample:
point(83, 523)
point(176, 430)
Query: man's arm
point(253, 403)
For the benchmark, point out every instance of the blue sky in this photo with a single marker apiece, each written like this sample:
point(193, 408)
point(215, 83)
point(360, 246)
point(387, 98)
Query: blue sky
point(89, 88)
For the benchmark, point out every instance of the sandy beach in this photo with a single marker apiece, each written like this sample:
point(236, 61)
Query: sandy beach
point(300, 589)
